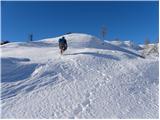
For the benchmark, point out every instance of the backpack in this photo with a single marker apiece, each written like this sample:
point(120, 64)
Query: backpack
point(63, 41)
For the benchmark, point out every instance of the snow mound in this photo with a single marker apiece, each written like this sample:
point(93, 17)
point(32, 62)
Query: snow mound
point(79, 40)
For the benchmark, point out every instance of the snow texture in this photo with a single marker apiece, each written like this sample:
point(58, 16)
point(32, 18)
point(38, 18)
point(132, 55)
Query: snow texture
point(93, 79)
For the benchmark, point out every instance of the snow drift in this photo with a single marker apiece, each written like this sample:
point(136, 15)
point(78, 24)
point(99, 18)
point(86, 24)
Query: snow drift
point(93, 79)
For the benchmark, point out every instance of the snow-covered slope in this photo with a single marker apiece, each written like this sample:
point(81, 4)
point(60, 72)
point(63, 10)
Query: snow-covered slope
point(150, 50)
point(91, 80)
point(126, 44)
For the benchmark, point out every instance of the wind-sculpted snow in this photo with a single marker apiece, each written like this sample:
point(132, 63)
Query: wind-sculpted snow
point(91, 80)
point(15, 69)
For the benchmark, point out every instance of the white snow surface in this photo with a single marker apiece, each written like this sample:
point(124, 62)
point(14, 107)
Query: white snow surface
point(92, 79)
point(126, 44)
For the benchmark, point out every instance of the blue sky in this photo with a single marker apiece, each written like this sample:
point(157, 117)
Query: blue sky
point(134, 20)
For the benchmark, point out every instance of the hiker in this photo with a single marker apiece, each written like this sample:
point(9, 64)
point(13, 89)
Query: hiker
point(62, 44)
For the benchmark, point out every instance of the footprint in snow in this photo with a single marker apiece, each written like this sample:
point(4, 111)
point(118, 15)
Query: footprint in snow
point(77, 110)
point(97, 85)
point(83, 105)
point(87, 94)
point(86, 103)
point(87, 100)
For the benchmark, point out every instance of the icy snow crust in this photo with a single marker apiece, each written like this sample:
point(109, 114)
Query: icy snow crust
point(91, 80)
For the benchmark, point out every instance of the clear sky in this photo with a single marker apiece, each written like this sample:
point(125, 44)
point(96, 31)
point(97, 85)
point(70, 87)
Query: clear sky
point(134, 20)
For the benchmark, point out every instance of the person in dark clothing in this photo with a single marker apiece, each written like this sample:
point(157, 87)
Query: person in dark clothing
point(62, 44)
